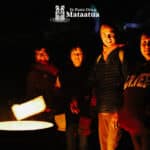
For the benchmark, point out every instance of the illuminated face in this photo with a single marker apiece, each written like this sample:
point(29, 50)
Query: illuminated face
point(107, 35)
point(145, 46)
point(41, 56)
point(76, 56)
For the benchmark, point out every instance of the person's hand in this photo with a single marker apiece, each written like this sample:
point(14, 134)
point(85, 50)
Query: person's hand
point(93, 101)
point(57, 83)
point(74, 107)
point(48, 110)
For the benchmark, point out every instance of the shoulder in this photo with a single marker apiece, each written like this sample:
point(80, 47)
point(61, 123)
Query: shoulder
point(121, 55)
point(121, 52)
point(98, 58)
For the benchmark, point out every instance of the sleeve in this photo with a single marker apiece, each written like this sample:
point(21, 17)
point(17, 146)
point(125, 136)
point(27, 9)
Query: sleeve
point(31, 85)
point(124, 63)
point(91, 81)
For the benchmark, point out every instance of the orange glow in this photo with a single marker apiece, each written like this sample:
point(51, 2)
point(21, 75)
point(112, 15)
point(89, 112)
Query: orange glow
point(29, 108)
point(24, 125)
point(60, 120)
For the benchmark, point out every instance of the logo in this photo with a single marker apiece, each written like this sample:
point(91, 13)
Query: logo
point(62, 15)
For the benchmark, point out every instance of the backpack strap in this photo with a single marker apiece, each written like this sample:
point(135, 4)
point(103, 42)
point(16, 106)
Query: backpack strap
point(120, 54)
point(98, 58)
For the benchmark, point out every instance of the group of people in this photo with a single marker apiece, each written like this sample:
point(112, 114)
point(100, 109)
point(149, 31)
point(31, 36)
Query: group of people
point(118, 93)
point(64, 92)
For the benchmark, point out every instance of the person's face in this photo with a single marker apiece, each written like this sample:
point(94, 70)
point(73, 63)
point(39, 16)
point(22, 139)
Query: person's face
point(107, 35)
point(145, 46)
point(76, 56)
point(41, 56)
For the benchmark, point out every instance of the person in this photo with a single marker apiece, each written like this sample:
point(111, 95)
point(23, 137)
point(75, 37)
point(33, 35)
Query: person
point(41, 81)
point(106, 84)
point(134, 116)
point(73, 84)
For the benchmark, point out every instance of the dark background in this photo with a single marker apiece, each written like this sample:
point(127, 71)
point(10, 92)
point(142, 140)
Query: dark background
point(25, 25)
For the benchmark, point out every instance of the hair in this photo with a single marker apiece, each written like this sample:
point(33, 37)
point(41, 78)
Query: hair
point(144, 30)
point(74, 47)
point(71, 48)
point(38, 49)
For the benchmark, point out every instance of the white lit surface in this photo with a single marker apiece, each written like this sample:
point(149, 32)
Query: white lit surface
point(29, 108)
point(24, 125)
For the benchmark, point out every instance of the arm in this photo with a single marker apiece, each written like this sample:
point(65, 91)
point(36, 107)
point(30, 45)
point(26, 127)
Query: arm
point(124, 63)
point(31, 85)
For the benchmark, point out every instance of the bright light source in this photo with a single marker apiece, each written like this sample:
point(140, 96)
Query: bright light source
point(24, 125)
point(29, 108)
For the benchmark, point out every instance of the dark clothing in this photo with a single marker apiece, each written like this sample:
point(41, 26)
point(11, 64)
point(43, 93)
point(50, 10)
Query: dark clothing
point(108, 78)
point(40, 81)
point(136, 100)
point(73, 81)
point(134, 116)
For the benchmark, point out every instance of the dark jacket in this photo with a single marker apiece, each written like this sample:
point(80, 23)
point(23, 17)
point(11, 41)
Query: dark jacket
point(73, 82)
point(40, 81)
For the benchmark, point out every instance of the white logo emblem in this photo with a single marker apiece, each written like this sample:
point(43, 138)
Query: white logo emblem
point(60, 14)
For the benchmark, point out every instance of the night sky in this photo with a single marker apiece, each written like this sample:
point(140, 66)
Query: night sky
point(26, 25)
